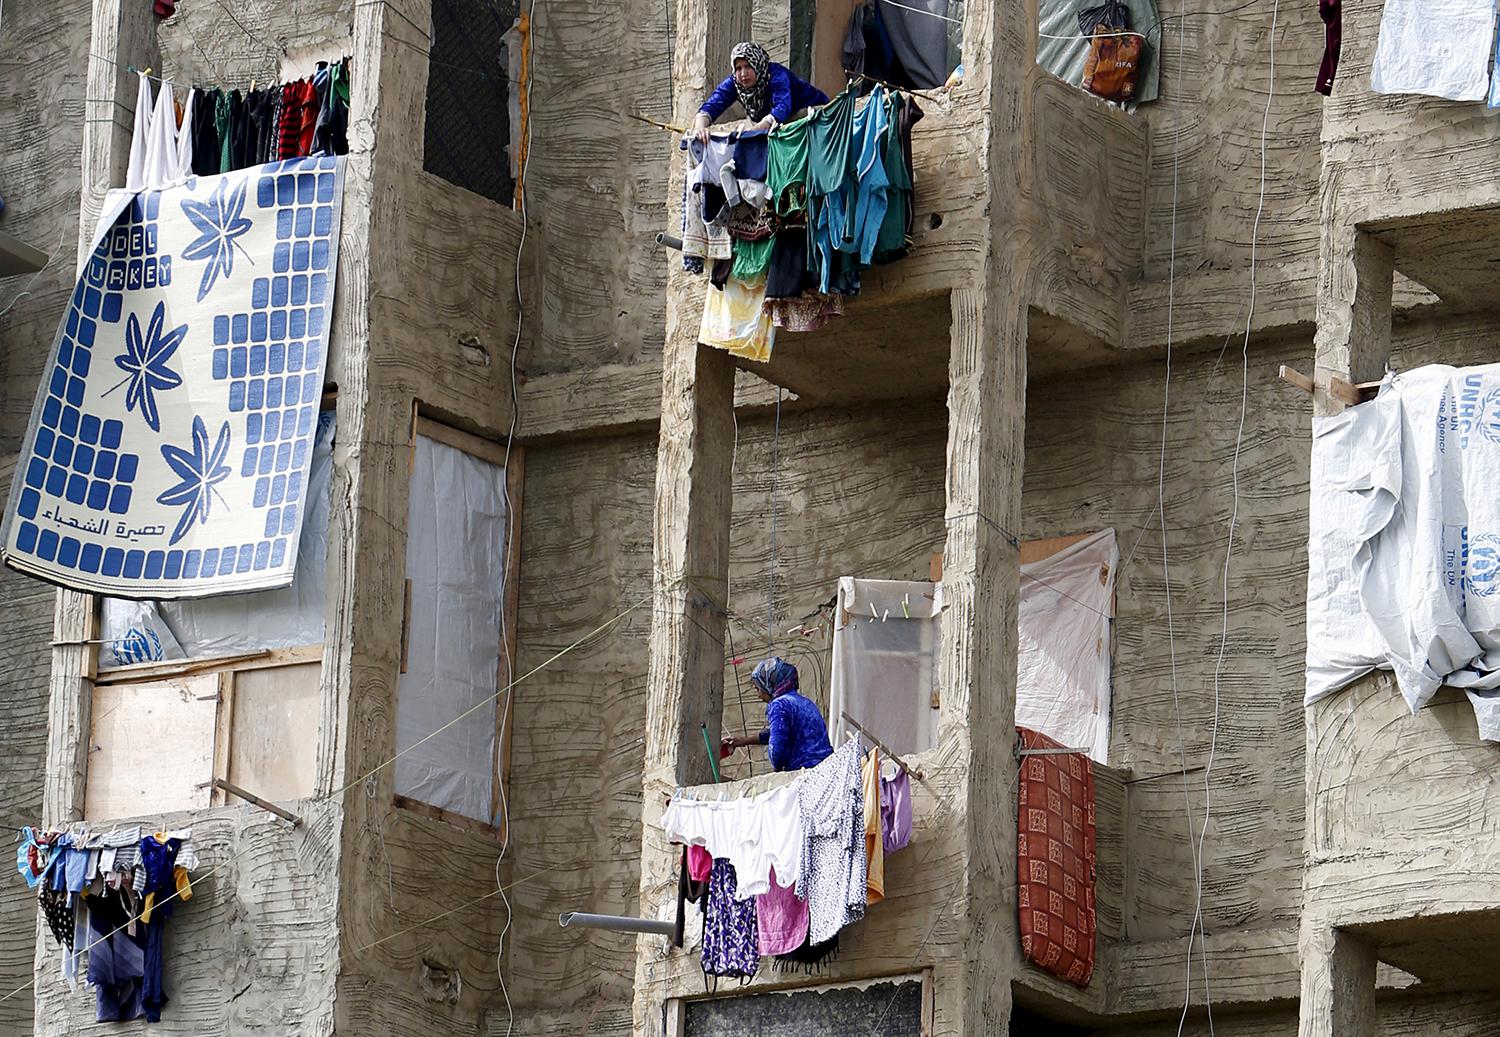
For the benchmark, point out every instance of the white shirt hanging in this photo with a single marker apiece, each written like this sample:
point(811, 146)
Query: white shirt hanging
point(135, 174)
point(185, 137)
point(161, 141)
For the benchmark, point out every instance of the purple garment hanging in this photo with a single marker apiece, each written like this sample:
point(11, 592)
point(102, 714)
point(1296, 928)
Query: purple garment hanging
point(731, 943)
point(895, 811)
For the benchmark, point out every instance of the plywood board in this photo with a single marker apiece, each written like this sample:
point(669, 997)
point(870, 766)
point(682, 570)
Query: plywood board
point(1036, 550)
point(273, 738)
point(151, 746)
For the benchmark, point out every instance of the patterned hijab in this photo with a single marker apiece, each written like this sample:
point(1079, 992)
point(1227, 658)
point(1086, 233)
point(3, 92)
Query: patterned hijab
point(774, 676)
point(756, 99)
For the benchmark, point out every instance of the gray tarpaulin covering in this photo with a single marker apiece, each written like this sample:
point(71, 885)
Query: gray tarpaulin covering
point(919, 35)
point(1064, 58)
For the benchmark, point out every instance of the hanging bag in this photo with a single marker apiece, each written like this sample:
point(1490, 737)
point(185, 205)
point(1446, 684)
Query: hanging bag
point(1113, 63)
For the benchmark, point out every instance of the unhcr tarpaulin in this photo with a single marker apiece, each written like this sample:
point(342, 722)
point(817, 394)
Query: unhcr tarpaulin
point(1404, 540)
point(169, 446)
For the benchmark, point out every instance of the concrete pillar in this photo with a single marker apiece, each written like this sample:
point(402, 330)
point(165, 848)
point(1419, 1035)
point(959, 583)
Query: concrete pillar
point(690, 550)
point(122, 33)
point(1354, 309)
point(1338, 983)
point(986, 432)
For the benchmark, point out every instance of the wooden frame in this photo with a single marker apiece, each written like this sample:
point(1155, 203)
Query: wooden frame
point(513, 463)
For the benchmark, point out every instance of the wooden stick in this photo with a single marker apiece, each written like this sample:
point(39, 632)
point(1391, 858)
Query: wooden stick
point(898, 761)
point(254, 800)
point(893, 86)
point(1338, 388)
point(652, 122)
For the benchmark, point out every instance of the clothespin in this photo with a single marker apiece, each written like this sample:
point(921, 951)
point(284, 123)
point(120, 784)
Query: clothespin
point(906, 605)
point(252, 86)
point(885, 615)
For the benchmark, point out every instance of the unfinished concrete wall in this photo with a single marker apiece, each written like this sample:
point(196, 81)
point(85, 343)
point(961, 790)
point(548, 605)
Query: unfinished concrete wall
point(1093, 444)
point(42, 110)
point(1208, 123)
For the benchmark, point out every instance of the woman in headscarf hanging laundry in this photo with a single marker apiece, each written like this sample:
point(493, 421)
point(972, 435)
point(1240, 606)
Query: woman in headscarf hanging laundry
point(769, 92)
point(797, 735)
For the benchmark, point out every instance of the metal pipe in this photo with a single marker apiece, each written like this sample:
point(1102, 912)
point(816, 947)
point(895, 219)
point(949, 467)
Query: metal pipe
point(668, 241)
point(619, 923)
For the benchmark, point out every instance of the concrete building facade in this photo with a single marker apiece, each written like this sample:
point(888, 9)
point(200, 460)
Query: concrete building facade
point(1067, 348)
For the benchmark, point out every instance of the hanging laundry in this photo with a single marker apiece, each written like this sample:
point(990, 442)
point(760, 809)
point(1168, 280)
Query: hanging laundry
point(895, 810)
point(781, 918)
point(331, 131)
point(731, 944)
point(787, 169)
point(160, 165)
point(753, 833)
point(117, 957)
point(918, 32)
point(35, 855)
point(1055, 860)
point(833, 874)
point(206, 132)
point(807, 312)
point(874, 836)
point(1441, 49)
point(135, 170)
point(699, 863)
point(894, 239)
point(185, 132)
point(1331, 12)
point(849, 208)
point(735, 320)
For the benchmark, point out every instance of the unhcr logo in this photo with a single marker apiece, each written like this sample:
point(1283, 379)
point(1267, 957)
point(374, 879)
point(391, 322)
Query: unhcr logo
point(138, 646)
point(1482, 572)
point(1478, 409)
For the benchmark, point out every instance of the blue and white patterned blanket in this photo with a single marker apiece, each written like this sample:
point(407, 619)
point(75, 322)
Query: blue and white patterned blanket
point(168, 449)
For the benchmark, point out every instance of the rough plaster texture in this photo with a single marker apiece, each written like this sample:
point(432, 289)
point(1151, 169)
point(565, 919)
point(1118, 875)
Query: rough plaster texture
point(42, 63)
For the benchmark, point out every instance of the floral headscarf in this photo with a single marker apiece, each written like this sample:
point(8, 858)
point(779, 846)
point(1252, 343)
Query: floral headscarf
point(756, 99)
point(774, 676)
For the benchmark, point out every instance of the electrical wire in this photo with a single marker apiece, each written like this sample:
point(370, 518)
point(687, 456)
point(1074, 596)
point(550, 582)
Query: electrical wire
point(1234, 513)
point(529, 49)
point(1161, 504)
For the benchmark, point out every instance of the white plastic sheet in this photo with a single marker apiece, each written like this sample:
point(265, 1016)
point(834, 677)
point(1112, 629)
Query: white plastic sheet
point(1404, 541)
point(455, 560)
point(1063, 668)
point(1436, 47)
point(198, 628)
point(886, 639)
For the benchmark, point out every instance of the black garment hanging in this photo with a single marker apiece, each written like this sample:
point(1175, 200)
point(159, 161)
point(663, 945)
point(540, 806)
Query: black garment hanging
point(205, 133)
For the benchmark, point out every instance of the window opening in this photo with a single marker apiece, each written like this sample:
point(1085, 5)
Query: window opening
point(458, 643)
point(468, 139)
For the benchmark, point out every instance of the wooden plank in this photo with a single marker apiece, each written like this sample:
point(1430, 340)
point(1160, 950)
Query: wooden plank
point(269, 658)
point(152, 747)
point(448, 817)
point(476, 446)
point(935, 567)
point(1338, 388)
point(230, 788)
point(223, 734)
point(405, 623)
point(273, 734)
point(1036, 550)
